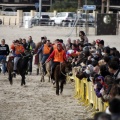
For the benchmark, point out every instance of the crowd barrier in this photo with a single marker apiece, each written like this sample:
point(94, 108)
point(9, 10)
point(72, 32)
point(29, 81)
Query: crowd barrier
point(84, 92)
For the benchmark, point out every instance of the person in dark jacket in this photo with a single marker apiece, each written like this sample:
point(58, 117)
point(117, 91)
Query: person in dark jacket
point(4, 52)
point(31, 47)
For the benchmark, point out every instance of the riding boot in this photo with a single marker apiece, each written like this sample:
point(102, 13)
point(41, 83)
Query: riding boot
point(37, 71)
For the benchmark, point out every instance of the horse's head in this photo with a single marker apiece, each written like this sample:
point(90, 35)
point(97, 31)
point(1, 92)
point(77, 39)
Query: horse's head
point(67, 66)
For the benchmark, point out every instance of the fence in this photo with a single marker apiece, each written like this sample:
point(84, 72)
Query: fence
point(85, 93)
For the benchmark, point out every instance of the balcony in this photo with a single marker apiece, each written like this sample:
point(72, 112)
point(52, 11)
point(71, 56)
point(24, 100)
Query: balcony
point(17, 1)
point(24, 1)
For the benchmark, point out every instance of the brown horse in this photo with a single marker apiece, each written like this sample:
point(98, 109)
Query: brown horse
point(48, 69)
point(60, 75)
point(22, 67)
point(37, 58)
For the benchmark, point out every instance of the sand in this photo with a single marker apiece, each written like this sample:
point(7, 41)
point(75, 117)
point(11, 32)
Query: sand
point(37, 101)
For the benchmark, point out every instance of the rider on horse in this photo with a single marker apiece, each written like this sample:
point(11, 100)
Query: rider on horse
point(18, 50)
point(4, 51)
point(58, 56)
point(46, 49)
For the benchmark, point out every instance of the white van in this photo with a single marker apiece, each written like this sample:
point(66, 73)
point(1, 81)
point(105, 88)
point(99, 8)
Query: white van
point(63, 16)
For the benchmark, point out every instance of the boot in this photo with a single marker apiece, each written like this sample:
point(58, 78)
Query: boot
point(37, 71)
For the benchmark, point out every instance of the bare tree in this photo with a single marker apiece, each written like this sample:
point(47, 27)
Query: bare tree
point(103, 6)
point(79, 4)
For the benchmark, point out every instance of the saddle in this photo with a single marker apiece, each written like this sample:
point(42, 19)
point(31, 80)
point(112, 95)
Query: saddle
point(11, 58)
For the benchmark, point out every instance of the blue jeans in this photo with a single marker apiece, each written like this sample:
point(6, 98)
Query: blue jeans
point(44, 58)
point(3, 61)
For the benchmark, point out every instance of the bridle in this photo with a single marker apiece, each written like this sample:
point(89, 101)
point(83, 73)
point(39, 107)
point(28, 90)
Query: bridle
point(61, 70)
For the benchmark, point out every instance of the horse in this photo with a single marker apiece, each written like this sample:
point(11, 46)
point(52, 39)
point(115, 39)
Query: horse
point(22, 67)
point(48, 69)
point(60, 75)
point(37, 58)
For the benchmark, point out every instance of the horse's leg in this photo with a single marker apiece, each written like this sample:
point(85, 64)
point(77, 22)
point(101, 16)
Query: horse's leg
point(23, 80)
point(61, 86)
point(57, 87)
point(10, 78)
point(42, 77)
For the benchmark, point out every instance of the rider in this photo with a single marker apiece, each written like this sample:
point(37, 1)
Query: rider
point(4, 51)
point(18, 50)
point(46, 49)
point(58, 56)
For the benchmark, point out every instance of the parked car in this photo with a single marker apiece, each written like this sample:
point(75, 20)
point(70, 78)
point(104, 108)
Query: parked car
point(0, 21)
point(83, 17)
point(44, 20)
point(62, 17)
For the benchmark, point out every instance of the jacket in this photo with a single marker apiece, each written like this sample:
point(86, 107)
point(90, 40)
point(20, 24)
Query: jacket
point(18, 49)
point(46, 49)
point(57, 56)
point(4, 49)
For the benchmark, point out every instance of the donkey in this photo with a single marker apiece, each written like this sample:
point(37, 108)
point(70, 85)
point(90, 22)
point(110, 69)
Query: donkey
point(48, 69)
point(60, 75)
point(22, 67)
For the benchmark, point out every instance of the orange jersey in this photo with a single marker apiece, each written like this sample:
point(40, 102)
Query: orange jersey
point(46, 49)
point(19, 49)
point(59, 55)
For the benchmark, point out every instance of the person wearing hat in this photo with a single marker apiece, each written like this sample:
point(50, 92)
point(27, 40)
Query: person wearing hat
point(58, 55)
point(4, 52)
point(18, 49)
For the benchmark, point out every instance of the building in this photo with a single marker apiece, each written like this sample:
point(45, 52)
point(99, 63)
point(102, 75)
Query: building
point(114, 5)
point(25, 5)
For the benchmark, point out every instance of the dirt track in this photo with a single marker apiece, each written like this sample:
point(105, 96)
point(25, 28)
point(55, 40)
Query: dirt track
point(37, 101)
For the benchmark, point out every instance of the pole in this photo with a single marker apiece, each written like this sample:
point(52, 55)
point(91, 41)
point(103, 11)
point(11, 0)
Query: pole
point(86, 22)
point(40, 7)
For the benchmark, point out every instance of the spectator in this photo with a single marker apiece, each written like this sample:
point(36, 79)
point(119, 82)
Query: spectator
point(83, 37)
point(114, 69)
point(114, 108)
point(31, 47)
point(69, 44)
point(4, 52)
point(24, 43)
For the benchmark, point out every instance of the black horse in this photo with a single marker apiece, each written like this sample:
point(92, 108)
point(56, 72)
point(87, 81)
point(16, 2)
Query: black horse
point(60, 75)
point(22, 67)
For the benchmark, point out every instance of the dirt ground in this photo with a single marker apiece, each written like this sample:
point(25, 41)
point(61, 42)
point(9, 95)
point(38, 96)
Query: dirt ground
point(37, 101)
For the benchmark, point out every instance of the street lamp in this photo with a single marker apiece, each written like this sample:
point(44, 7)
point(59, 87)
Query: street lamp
point(40, 7)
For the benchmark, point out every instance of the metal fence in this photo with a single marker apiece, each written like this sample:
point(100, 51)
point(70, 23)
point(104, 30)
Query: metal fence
point(10, 13)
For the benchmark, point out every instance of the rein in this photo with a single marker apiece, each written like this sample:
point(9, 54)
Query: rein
point(61, 70)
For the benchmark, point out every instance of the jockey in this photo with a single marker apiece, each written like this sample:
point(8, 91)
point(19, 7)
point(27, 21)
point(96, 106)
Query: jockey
point(4, 51)
point(46, 49)
point(58, 56)
point(18, 49)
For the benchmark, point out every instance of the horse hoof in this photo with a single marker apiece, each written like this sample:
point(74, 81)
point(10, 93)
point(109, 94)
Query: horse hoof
point(11, 83)
point(57, 93)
